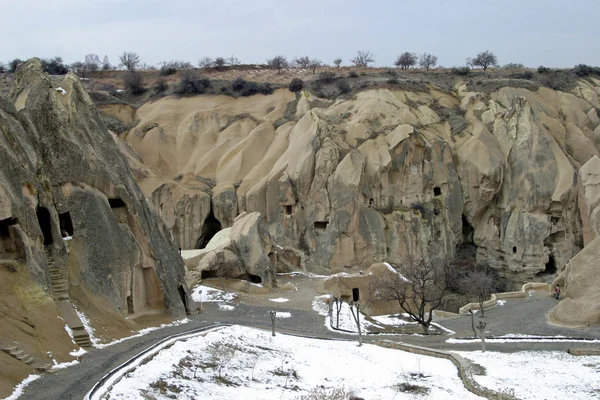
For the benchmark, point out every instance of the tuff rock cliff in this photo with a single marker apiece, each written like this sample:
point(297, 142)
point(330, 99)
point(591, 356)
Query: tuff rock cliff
point(74, 225)
point(382, 176)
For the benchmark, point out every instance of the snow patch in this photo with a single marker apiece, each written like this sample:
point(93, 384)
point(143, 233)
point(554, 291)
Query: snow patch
point(61, 90)
point(283, 314)
point(226, 307)
point(279, 300)
point(206, 294)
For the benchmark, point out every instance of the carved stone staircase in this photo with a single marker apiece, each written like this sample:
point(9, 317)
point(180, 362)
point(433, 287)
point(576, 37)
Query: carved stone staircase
point(60, 293)
point(20, 355)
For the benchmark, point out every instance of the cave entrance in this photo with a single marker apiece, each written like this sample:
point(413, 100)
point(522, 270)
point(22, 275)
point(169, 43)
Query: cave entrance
point(437, 191)
point(45, 221)
point(209, 229)
point(467, 230)
point(550, 267)
point(116, 203)
point(183, 298)
point(66, 224)
point(254, 278)
point(8, 244)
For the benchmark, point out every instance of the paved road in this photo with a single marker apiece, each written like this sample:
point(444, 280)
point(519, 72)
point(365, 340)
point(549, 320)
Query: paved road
point(522, 316)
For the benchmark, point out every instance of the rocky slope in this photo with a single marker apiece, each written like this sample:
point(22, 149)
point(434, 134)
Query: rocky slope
point(382, 176)
point(74, 226)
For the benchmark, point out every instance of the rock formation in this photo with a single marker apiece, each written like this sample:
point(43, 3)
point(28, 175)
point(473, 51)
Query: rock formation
point(246, 251)
point(383, 176)
point(70, 208)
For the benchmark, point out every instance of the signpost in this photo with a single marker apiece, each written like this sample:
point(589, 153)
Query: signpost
point(356, 315)
point(273, 315)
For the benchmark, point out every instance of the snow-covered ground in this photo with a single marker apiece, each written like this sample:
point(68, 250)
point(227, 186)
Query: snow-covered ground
point(539, 375)
point(205, 294)
point(21, 386)
point(243, 363)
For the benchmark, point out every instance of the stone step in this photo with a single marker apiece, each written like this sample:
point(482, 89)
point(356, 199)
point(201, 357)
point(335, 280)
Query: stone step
point(60, 297)
point(23, 357)
point(10, 348)
point(42, 367)
point(16, 353)
point(60, 287)
point(29, 360)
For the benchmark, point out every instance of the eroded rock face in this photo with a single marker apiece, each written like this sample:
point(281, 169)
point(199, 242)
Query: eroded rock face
point(246, 251)
point(62, 175)
point(580, 292)
point(385, 175)
point(589, 199)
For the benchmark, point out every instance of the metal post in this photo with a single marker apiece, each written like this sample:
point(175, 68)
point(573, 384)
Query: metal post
point(357, 320)
point(273, 315)
point(481, 326)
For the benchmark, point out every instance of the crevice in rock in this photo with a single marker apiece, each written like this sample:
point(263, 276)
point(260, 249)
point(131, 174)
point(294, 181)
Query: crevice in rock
point(209, 229)
point(66, 224)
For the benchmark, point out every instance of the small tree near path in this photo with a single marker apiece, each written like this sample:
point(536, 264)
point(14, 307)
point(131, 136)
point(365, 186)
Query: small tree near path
point(480, 284)
point(314, 64)
point(419, 289)
point(337, 62)
point(485, 59)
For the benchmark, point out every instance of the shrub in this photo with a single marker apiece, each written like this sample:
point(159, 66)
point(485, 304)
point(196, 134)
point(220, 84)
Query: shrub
point(585, 70)
point(522, 75)
point(343, 87)
point(13, 64)
point(296, 85)
point(160, 86)
point(54, 66)
point(191, 84)
point(462, 71)
point(543, 70)
point(2, 67)
point(238, 84)
point(252, 88)
point(134, 83)
point(327, 77)
point(353, 74)
point(393, 81)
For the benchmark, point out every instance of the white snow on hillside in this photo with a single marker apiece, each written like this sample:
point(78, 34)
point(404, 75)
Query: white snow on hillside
point(255, 365)
point(205, 294)
point(539, 375)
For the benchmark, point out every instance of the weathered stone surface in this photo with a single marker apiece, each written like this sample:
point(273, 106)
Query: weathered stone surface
point(589, 199)
point(388, 175)
point(580, 290)
point(61, 173)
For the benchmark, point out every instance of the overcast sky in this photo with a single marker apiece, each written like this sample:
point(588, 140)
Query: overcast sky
point(556, 33)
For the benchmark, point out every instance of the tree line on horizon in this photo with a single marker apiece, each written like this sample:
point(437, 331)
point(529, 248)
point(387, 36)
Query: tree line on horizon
point(131, 61)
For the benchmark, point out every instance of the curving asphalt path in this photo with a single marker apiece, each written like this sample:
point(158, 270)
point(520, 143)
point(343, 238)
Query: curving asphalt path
point(520, 316)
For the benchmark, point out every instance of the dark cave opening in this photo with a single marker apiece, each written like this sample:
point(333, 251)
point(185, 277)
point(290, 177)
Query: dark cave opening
point(66, 224)
point(550, 267)
point(7, 241)
point(514, 249)
point(437, 191)
point(254, 278)
point(289, 209)
point(116, 203)
point(45, 221)
point(467, 230)
point(209, 229)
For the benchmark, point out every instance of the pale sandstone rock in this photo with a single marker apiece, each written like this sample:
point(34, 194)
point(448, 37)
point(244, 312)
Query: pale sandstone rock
point(589, 199)
point(580, 291)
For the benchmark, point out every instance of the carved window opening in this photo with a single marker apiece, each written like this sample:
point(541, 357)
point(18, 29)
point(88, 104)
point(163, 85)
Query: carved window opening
point(321, 225)
point(116, 203)
point(66, 224)
point(514, 249)
point(289, 209)
point(437, 191)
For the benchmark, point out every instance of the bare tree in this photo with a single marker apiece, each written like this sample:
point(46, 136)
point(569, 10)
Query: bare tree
point(337, 62)
point(278, 63)
point(92, 67)
point(314, 64)
point(419, 290)
point(220, 63)
point(79, 68)
point(485, 59)
point(2, 67)
point(302, 62)
point(479, 283)
point(106, 67)
point(363, 59)
point(427, 61)
point(406, 60)
point(205, 62)
point(233, 61)
point(129, 60)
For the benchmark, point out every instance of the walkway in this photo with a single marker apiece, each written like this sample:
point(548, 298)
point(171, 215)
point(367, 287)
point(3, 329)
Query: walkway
point(519, 316)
